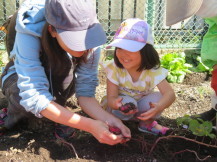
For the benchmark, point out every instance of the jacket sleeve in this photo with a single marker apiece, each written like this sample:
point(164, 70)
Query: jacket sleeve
point(32, 80)
point(87, 75)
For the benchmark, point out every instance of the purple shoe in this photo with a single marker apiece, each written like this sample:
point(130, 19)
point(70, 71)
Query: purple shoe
point(150, 129)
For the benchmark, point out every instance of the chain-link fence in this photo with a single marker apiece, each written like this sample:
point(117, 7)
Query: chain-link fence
point(186, 34)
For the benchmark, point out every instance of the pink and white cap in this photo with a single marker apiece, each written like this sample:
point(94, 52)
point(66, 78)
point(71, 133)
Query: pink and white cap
point(132, 35)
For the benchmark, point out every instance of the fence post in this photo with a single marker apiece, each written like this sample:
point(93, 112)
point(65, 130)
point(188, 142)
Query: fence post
point(134, 10)
point(150, 10)
point(109, 16)
point(122, 10)
point(17, 4)
point(4, 10)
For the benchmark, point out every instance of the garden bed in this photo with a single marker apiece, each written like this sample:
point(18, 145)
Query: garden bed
point(39, 144)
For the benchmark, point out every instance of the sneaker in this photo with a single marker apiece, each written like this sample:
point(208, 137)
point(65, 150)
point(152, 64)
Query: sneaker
point(63, 131)
point(152, 130)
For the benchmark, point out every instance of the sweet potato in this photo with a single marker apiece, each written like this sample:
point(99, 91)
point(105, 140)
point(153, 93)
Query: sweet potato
point(114, 130)
point(127, 107)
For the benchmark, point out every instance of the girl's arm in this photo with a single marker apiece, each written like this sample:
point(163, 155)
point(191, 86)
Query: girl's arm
point(114, 101)
point(168, 97)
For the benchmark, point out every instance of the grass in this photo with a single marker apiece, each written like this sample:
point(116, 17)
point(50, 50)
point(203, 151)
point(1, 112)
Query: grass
point(203, 91)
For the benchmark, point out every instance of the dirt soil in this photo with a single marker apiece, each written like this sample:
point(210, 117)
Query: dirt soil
point(35, 141)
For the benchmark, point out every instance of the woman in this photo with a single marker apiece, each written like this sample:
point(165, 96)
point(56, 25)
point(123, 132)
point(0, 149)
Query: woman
point(55, 54)
point(177, 11)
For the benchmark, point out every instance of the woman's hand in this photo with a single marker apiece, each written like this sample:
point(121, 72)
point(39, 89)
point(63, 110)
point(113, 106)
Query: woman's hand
point(100, 131)
point(100, 126)
point(125, 131)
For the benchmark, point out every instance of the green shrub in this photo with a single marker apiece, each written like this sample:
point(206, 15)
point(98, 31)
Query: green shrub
point(197, 126)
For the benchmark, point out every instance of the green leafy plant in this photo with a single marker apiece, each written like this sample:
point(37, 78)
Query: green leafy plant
point(197, 126)
point(200, 66)
point(177, 66)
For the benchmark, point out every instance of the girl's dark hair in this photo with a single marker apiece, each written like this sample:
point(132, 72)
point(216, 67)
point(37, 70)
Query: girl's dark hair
point(149, 58)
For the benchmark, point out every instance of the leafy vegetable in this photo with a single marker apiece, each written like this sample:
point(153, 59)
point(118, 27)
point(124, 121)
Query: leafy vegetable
point(177, 66)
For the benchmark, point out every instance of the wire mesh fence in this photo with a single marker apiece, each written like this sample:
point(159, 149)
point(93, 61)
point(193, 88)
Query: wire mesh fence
point(7, 8)
point(186, 34)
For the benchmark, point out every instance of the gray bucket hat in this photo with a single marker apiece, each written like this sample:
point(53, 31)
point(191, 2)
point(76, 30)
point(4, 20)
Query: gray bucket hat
point(76, 22)
point(178, 10)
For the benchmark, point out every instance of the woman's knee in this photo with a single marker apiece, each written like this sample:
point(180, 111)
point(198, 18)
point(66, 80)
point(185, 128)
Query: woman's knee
point(11, 91)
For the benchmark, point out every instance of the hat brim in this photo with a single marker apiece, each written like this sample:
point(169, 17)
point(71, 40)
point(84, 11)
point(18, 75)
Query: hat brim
point(129, 45)
point(85, 39)
point(179, 10)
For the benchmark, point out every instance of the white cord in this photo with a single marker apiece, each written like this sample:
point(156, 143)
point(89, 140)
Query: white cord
point(51, 85)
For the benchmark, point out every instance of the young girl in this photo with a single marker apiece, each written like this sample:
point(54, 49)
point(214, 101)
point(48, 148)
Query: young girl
point(133, 75)
point(55, 54)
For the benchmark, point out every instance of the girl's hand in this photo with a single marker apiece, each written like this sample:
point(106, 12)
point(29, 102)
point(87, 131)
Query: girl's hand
point(128, 108)
point(100, 131)
point(118, 103)
point(151, 113)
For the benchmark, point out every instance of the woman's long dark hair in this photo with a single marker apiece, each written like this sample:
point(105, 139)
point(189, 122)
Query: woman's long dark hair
point(57, 64)
point(54, 56)
point(150, 58)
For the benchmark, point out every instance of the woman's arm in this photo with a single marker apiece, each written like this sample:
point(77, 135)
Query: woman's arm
point(97, 128)
point(91, 106)
point(32, 80)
